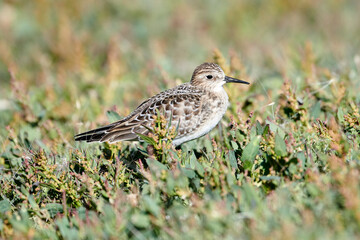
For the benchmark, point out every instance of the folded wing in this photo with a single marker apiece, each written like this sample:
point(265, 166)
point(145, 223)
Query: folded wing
point(182, 107)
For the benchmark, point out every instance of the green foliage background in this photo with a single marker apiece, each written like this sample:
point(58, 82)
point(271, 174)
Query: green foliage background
point(283, 164)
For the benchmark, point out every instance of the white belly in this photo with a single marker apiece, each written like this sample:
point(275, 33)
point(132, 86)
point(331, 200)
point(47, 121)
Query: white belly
point(207, 126)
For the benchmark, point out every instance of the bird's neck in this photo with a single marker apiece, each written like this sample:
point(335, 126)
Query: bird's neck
point(219, 93)
point(219, 89)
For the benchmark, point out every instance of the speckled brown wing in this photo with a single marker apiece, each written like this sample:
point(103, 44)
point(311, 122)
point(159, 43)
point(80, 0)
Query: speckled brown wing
point(182, 104)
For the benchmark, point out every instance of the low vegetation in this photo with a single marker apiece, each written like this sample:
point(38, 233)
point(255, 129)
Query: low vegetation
point(283, 163)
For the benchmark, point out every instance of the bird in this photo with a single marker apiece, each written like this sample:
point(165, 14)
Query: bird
point(193, 108)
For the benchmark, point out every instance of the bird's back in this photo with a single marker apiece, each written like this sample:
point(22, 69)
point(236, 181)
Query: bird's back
point(180, 105)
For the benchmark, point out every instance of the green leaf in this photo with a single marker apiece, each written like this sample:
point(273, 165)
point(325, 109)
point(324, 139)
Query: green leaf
point(146, 139)
point(248, 165)
point(155, 165)
point(251, 150)
point(280, 146)
point(266, 130)
point(194, 164)
point(259, 128)
point(140, 220)
point(253, 133)
point(30, 133)
point(316, 110)
point(189, 172)
point(33, 203)
point(151, 205)
point(232, 159)
point(340, 114)
point(270, 178)
point(113, 116)
point(170, 185)
point(54, 208)
point(192, 161)
point(199, 168)
point(275, 128)
point(208, 145)
point(5, 206)
point(234, 145)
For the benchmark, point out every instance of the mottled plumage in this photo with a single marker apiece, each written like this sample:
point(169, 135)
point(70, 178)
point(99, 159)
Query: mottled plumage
point(194, 108)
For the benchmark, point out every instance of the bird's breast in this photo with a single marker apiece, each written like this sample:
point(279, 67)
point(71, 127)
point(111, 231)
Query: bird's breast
point(216, 102)
point(212, 109)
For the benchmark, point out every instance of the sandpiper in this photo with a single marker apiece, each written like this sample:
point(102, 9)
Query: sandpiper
point(195, 108)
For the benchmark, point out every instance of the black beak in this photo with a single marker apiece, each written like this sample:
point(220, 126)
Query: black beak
point(230, 79)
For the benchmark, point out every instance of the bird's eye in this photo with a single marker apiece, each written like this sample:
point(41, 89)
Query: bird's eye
point(209, 76)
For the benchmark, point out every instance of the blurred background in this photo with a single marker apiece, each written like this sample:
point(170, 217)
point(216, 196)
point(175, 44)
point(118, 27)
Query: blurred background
point(285, 161)
point(71, 61)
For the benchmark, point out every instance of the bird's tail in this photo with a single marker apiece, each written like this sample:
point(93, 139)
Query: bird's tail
point(93, 135)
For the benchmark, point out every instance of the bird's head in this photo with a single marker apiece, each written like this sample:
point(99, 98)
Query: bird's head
point(211, 76)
